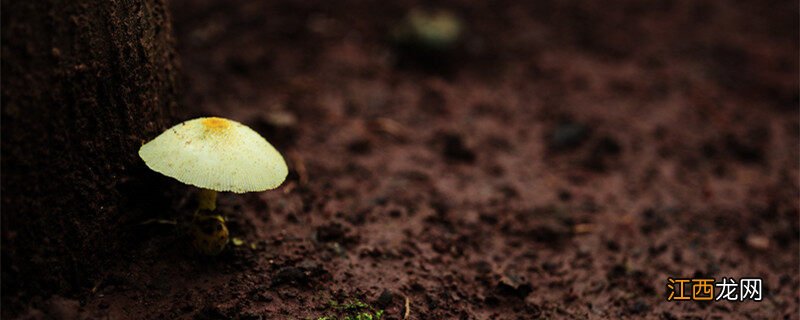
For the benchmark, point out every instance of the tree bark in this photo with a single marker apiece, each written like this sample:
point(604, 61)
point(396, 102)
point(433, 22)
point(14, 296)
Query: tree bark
point(85, 82)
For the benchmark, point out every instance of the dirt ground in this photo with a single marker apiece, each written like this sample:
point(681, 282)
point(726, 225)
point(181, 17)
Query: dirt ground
point(563, 161)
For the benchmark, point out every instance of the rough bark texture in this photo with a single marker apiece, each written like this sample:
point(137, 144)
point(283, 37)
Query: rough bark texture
point(84, 84)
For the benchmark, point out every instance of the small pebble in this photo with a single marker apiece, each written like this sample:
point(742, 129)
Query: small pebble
point(758, 242)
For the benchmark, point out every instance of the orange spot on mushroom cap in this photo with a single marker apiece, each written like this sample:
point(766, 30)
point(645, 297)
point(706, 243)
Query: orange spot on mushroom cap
point(215, 123)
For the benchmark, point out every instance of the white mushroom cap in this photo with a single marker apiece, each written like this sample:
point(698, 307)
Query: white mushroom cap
point(217, 154)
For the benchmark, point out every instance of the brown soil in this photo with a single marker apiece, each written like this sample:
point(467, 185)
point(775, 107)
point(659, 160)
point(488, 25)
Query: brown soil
point(562, 162)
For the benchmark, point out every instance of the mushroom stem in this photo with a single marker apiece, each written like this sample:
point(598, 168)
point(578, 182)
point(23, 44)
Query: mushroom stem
point(207, 200)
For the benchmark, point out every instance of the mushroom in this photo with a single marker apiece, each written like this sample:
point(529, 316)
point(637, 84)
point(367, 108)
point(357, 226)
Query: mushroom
point(430, 30)
point(215, 155)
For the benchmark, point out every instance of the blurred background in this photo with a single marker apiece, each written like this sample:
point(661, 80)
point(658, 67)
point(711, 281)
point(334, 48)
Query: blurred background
point(592, 149)
point(486, 160)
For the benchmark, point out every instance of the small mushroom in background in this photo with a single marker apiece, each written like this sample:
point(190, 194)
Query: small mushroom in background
point(428, 38)
point(215, 155)
point(430, 29)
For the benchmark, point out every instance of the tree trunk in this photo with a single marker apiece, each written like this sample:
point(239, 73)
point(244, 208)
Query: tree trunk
point(85, 82)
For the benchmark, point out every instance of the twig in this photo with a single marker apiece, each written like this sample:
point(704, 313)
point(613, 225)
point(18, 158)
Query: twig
point(408, 308)
point(389, 127)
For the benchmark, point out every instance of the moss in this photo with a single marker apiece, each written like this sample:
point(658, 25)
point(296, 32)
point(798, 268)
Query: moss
point(352, 309)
